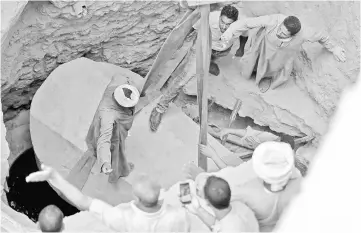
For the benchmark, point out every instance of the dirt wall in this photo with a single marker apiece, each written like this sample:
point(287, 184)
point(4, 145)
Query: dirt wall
point(125, 33)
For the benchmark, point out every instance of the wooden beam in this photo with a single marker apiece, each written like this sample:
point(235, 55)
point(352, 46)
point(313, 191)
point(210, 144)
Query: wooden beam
point(173, 42)
point(193, 3)
point(203, 53)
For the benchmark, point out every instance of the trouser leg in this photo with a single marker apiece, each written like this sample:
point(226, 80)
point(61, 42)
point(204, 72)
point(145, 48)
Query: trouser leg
point(242, 43)
point(188, 70)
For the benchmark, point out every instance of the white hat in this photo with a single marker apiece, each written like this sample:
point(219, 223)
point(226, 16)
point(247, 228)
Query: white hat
point(273, 162)
point(124, 101)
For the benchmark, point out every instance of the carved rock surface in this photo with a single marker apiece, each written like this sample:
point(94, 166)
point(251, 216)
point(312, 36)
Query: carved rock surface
point(124, 33)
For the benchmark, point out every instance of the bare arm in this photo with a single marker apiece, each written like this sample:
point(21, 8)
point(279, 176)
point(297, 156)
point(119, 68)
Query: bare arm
point(238, 132)
point(219, 162)
point(71, 193)
point(209, 152)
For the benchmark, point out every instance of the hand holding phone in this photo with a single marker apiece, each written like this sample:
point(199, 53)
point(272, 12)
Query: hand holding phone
point(185, 193)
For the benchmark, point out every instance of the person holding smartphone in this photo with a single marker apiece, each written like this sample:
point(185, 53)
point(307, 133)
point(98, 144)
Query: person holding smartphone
point(228, 216)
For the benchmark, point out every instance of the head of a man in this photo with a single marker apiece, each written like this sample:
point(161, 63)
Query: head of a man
point(229, 14)
point(274, 163)
point(51, 219)
point(289, 27)
point(217, 193)
point(146, 191)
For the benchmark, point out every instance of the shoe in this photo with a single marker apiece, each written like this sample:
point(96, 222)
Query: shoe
point(265, 84)
point(155, 119)
point(239, 52)
point(214, 69)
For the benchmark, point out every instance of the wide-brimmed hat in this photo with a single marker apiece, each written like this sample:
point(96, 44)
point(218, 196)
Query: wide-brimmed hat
point(122, 99)
point(273, 162)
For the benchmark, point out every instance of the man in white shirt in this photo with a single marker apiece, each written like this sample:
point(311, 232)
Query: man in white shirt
point(228, 216)
point(219, 22)
point(145, 214)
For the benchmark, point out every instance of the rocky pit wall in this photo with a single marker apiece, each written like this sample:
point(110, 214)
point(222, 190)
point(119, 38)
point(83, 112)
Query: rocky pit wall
point(39, 36)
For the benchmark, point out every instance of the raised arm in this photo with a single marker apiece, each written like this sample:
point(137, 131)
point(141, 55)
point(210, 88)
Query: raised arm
point(243, 25)
point(322, 37)
point(70, 192)
point(111, 217)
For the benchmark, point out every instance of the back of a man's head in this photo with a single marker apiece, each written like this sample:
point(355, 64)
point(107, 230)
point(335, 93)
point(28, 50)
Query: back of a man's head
point(293, 24)
point(146, 190)
point(51, 219)
point(217, 192)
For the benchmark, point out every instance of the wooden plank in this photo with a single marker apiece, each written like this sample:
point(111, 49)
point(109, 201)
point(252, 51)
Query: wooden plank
point(153, 90)
point(203, 58)
point(193, 3)
point(170, 46)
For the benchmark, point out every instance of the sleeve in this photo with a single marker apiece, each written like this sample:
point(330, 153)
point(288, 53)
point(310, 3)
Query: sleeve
point(109, 215)
point(105, 135)
point(222, 45)
point(261, 21)
point(321, 36)
point(241, 26)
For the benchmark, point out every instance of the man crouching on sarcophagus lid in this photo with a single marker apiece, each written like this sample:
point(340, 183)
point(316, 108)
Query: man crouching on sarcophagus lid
point(110, 126)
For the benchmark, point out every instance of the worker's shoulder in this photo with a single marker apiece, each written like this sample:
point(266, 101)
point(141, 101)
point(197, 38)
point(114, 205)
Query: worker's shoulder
point(124, 207)
point(174, 210)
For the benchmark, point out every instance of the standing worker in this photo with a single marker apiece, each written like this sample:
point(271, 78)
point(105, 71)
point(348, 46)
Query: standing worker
point(219, 22)
point(110, 127)
point(107, 133)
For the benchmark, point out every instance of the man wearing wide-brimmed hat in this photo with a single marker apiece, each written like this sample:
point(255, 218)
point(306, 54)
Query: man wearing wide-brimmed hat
point(107, 133)
point(110, 127)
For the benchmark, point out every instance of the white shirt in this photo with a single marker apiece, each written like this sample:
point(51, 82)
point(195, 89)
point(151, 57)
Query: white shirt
point(127, 217)
point(217, 43)
point(240, 219)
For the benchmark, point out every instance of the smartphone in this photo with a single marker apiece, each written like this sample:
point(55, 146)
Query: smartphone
point(185, 193)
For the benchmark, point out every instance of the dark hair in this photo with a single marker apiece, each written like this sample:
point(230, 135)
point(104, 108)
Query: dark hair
point(51, 219)
point(288, 139)
point(217, 192)
point(230, 12)
point(293, 24)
